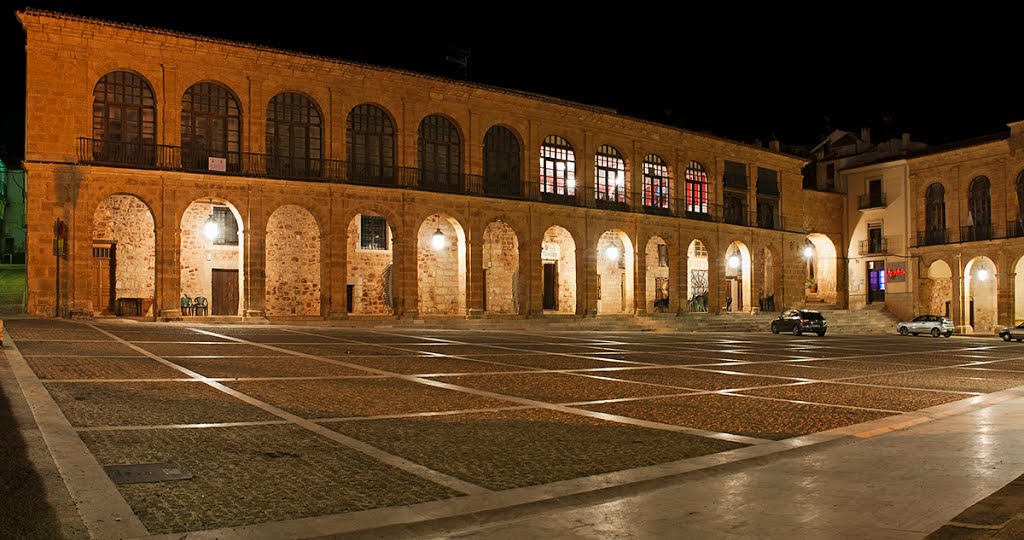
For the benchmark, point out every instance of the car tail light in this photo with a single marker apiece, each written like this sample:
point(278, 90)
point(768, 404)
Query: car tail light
point(803, 320)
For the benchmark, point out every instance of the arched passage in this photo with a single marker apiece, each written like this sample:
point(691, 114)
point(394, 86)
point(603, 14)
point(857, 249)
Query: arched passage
point(657, 275)
point(937, 289)
point(697, 283)
point(123, 257)
point(980, 295)
point(1018, 289)
point(737, 277)
point(558, 272)
point(292, 263)
point(211, 257)
point(614, 273)
point(501, 268)
point(820, 255)
point(368, 272)
point(768, 281)
point(441, 266)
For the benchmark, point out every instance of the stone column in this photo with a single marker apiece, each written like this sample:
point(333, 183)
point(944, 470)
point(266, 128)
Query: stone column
point(404, 266)
point(679, 268)
point(716, 279)
point(640, 279)
point(168, 256)
point(960, 318)
point(336, 255)
point(254, 238)
point(843, 282)
point(1005, 298)
point(586, 275)
point(474, 274)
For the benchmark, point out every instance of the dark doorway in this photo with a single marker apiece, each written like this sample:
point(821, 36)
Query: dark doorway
point(104, 258)
point(972, 312)
point(876, 281)
point(550, 279)
point(224, 293)
point(350, 297)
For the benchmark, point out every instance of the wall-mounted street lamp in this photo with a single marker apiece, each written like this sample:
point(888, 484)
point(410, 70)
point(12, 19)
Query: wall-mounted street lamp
point(437, 240)
point(808, 252)
point(734, 261)
point(211, 229)
point(612, 253)
point(982, 274)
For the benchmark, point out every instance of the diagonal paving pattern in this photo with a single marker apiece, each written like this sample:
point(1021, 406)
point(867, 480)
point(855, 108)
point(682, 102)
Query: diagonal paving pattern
point(475, 415)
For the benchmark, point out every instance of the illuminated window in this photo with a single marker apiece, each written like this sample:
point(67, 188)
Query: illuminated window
point(211, 126)
point(227, 229)
point(656, 182)
point(699, 250)
point(663, 255)
point(370, 144)
point(373, 231)
point(696, 188)
point(610, 175)
point(557, 167)
point(294, 136)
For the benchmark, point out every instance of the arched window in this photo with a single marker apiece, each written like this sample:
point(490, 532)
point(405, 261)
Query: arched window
point(935, 215)
point(557, 168)
point(370, 145)
point(1020, 198)
point(501, 162)
point(440, 154)
point(696, 189)
point(609, 175)
point(656, 183)
point(294, 136)
point(124, 120)
point(979, 213)
point(211, 127)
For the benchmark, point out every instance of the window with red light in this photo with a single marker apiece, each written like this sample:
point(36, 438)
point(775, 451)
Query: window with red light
point(656, 182)
point(696, 188)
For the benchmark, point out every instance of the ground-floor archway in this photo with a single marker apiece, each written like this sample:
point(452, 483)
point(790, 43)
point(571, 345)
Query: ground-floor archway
point(441, 266)
point(292, 263)
point(558, 271)
point(697, 282)
point(501, 269)
point(657, 270)
point(737, 277)
point(979, 307)
point(614, 273)
point(211, 255)
point(123, 265)
point(820, 258)
point(937, 290)
point(369, 256)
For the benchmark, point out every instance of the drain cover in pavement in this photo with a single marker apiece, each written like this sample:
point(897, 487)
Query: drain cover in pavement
point(146, 472)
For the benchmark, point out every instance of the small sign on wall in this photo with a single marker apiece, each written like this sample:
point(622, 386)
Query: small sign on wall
point(218, 164)
point(896, 272)
point(550, 251)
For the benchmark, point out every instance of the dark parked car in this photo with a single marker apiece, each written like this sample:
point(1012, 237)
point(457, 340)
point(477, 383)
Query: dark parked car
point(799, 321)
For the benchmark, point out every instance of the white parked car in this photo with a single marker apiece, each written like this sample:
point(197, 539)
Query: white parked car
point(936, 325)
point(1012, 332)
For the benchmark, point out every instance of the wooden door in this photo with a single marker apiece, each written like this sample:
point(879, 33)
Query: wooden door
point(224, 294)
point(550, 279)
point(104, 259)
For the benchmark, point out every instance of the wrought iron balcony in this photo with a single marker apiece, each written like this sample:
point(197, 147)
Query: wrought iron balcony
point(934, 237)
point(973, 233)
point(1015, 228)
point(873, 247)
point(871, 200)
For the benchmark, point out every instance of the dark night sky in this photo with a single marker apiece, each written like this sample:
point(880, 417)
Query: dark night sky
point(737, 72)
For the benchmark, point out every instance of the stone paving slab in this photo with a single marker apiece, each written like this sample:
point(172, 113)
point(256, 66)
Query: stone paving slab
point(666, 358)
point(558, 348)
point(454, 349)
point(556, 387)
point(206, 349)
point(865, 365)
point(942, 380)
point(932, 359)
point(98, 367)
point(253, 474)
point(509, 449)
point(345, 349)
point(690, 378)
point(787, 369)
point(361, 397)
point(548, 361)
point(894, 399)
point(1006, 365)
point(149, 403)
point(75, 348)
point(280, 337)
point(30, 329)
point(370, 337)
point(266, 366)
point(759, 418)
point(413, 365)
point(183, 335)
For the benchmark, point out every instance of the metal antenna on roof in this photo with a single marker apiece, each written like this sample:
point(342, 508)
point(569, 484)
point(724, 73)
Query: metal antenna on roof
point(462, 60)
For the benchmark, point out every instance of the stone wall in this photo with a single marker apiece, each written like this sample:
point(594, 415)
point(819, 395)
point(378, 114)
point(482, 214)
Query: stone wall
point(935, 292)
point(984, 295)
point(654, 271)
point(366, 272)
point(501, 267)
point(293, 263)
point(566, 249)
point(199, 257)
point(127, 222)
point(616, 276)
point(442, 272)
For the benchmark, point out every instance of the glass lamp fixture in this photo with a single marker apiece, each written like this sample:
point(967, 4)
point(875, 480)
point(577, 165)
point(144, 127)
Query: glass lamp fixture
point(734, 261)
point(437, 240)
point(982, 274)
point(210, 228)
point(808, 252)
point(612, 253)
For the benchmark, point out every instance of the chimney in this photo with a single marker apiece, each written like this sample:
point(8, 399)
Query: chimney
point(865, 134)
point(906, 140)
point(773, 145)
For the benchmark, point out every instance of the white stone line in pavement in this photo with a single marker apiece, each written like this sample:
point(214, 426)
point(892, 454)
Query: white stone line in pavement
point(182, 426)
point(421, 414)
point(91, 381)
point(378, 454)
point(104, 511)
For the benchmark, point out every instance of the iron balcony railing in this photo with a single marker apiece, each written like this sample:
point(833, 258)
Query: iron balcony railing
point(973, 233)
point(314, 169)
point(874, 247)
point(1015, 228)
point(933, 237)
point(871, 200)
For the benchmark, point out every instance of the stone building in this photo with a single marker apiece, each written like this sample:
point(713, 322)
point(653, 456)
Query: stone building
point(282, 185)
point(12, 215)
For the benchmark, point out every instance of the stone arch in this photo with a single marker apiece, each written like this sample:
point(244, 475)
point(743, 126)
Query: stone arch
point(212, 254)
point(937, 289)
point(698, 278)
point(441, 266)
point(821, 260)
point(292, 262)
point(370, 252)
point(501, 268)
point(737, 277)
point(123, 256)
point(558, 271)
point(658, 272)
point(615, 265)
point(1018, 289)
point(980, 298)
